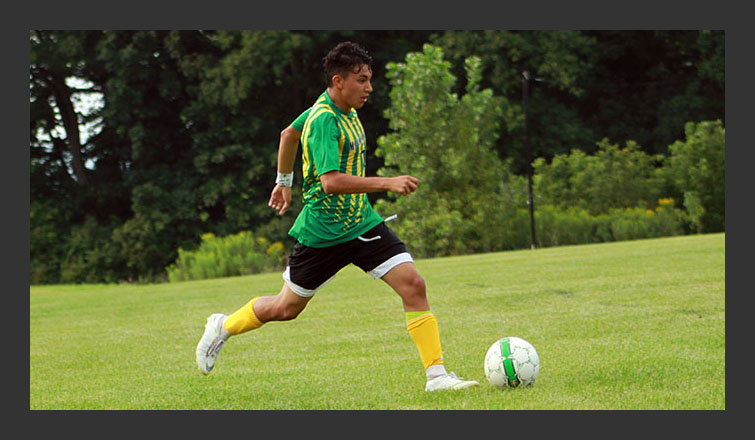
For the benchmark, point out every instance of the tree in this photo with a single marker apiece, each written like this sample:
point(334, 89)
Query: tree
point(697, 167)
point(560, 58)
point(55, 57)
point(446, 142)
point(65, 189)
point(258, 82)
point(645, 85)
point(185, 142)
point(136, 164)
point(185, 139)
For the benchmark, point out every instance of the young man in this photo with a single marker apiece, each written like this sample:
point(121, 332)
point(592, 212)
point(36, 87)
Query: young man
point(337, 225)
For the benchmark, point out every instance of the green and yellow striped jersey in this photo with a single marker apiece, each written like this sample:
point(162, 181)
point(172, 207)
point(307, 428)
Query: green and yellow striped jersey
point(332, 140)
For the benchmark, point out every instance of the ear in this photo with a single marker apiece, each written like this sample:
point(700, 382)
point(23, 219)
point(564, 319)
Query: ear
point(337, 81)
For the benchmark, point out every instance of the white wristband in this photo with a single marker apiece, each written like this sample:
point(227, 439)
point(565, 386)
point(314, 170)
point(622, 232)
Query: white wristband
point(285, 179)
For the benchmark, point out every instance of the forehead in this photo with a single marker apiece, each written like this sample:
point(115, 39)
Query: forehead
point(361, 71)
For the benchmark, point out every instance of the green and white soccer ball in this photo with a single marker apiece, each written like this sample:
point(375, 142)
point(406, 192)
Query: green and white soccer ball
point(511, 363)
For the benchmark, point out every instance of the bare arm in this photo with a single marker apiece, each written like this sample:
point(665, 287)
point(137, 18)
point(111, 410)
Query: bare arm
point(287, 148)
point(336, 182)
point(280, 198)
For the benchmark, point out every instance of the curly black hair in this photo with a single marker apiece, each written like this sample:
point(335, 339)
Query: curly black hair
point(344, 58)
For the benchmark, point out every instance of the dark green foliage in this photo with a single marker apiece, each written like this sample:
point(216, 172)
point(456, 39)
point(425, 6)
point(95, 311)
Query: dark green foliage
point(91, 256)
point(185, 140)
point(556, 61)
point(620, 85)
point(645, 85)
point(469, 202)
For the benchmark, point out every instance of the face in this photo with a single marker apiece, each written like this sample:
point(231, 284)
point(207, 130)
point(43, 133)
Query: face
point(355, 87)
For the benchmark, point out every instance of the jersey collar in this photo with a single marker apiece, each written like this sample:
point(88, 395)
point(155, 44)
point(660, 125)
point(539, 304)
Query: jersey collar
point(337, 108)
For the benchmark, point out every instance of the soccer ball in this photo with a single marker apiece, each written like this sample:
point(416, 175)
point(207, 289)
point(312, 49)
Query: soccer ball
point(511, 363)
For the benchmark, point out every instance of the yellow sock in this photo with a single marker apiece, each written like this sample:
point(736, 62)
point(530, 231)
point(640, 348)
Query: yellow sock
point(243, 319)
point(423, 328)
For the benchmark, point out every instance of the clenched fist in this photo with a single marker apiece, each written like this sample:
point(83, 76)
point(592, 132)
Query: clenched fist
point(403, 184)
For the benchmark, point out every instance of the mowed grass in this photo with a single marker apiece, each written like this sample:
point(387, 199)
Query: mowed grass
point(628, 325)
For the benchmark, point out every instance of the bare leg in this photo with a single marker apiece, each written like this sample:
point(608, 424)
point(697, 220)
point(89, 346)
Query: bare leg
point(410, 286)
point(422, 327)
point(284, 306)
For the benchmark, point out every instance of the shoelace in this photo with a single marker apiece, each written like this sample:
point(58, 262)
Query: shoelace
point(451, 375)
point(215, 347)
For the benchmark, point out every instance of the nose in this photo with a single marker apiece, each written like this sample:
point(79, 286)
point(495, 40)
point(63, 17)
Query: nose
point(369, 87)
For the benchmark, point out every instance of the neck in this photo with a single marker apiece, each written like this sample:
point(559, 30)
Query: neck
point(336, 98)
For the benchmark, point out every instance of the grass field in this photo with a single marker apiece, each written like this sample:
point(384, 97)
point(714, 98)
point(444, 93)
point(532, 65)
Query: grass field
point(628, 325)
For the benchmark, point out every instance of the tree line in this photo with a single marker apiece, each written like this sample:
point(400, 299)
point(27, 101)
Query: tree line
point(183, 140)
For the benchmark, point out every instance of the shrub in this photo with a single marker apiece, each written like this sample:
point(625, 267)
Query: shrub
point(697, 168)
point(90, 256)
point(611, 178)
point(47, 231)
point(635, 223)
point(516, 229)
point(556, 226)
point(232, 255)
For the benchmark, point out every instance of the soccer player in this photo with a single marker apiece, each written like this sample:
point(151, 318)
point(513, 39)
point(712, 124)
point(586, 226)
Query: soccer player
point(337, 225)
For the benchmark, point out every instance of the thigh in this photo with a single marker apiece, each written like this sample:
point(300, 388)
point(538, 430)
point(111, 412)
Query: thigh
point(309, 269)
point(288, 299)
point(379, 250)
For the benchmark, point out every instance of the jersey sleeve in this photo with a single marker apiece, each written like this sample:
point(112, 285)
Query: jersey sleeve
point(299, 121)
point(322, 140)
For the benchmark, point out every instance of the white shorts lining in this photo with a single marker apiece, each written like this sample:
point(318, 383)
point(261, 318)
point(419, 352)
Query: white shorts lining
point(375, 273)
point(301, 291)
point(389, 264)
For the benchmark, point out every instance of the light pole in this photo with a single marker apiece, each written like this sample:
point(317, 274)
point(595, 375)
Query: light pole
point(528, 154)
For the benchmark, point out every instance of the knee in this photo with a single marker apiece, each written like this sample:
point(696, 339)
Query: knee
point(416, 285)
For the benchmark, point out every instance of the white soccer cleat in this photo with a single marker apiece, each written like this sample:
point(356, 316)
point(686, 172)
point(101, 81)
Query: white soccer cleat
point(449, 381)
point(212, 341)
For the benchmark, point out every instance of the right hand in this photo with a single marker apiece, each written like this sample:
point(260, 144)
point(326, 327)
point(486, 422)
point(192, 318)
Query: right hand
point(280, 199)
point(404, 184)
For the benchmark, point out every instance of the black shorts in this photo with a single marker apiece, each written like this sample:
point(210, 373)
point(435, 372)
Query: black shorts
point(376, 252)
